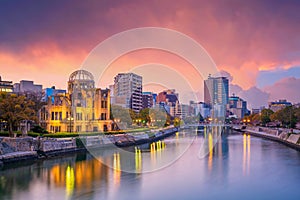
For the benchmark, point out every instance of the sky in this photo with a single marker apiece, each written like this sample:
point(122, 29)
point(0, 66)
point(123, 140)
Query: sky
point(255, 43)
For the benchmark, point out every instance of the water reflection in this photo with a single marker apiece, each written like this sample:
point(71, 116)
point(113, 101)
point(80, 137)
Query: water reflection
point(246, 154)
point(138, 160)
point(70, 181)
point(223, 169)
point(117, 168)
point(77, 176)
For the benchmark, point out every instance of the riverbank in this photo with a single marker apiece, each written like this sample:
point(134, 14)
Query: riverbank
point(29, 148)
point(282, 136)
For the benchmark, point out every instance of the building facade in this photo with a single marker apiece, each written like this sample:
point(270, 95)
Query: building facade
point(278, 105)
point(237, 107)
point(6, 86)
point(148, 100)
point(128, 91)
point(83, 108)
point(51, 92)
point(216, 91)
point(169, 100)
point(26, 86)
point(199, 108)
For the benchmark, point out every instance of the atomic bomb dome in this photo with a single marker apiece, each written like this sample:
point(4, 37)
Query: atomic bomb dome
point(81, 75)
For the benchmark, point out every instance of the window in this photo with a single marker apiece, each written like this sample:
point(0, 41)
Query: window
point(103, 116)
point(105, 127)
point(56, 116)
point(78, 128)
point(60, 115)
point(52, 115)
point(78, 116)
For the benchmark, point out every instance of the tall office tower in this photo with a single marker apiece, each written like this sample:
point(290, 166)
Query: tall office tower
point(216, 90)
point(128, 91)
point(216, 94)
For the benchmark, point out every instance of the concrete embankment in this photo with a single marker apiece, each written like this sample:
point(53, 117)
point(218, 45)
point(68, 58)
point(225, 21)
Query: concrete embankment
point(18, 149)
point(281, 136)
point(24, 148)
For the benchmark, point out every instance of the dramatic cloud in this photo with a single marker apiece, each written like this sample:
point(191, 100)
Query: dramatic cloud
point(287, 88)
point(243, 38)
point(255, 97)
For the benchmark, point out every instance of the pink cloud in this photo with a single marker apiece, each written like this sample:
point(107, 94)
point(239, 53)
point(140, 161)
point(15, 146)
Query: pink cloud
point(241, 38)
point(287, 88)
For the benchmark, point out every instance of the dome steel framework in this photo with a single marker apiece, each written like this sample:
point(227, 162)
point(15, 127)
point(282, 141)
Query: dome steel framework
point(81, 75)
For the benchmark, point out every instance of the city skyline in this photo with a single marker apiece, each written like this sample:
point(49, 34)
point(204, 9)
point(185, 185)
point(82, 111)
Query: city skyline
point(260, 61)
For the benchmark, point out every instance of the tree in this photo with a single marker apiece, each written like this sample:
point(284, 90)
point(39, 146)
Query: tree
point(158, 117)
point(297, 114)
point(36, 98)
point(265, 116)
point(122, 116)
point(14, 109)
point(287, 116)
point(144, 115)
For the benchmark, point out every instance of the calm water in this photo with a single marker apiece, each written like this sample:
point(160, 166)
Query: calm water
point(238, 167)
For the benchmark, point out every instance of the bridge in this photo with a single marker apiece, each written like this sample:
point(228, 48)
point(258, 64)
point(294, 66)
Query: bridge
point(205, 125)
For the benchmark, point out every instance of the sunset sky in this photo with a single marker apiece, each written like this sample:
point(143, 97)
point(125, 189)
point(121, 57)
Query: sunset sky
point(255, 43)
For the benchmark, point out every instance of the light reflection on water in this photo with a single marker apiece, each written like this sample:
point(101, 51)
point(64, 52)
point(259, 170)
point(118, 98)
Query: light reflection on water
point(236, 167)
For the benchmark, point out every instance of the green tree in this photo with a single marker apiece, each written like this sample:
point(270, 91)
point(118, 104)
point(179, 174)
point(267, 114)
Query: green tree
point(297, 114)
point(38, 103)
point(133, 114)
point(122, 116)
point(144, 116)
point(14, 109)
point(287, 116)
point(265, 116)
point(158, 117)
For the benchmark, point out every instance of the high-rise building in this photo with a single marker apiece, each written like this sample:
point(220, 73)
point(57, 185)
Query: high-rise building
point(6, 86)
point(148, 100)
point(216, 95)
point(237, 106)
point(128, 91)
point(216, 90)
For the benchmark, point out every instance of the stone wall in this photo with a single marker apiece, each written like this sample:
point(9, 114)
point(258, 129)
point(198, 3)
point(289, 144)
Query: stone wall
point(293, 138)
point(9, 145)
point(20, 144)
point(50, 144)
point(269, 131)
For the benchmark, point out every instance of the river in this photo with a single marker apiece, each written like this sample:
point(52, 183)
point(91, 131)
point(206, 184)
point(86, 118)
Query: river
point(188, 165)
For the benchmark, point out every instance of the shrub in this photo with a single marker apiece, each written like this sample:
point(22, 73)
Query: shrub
point(39, 129)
